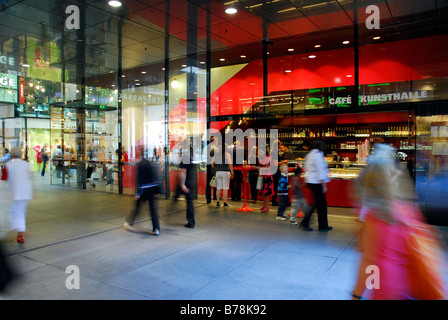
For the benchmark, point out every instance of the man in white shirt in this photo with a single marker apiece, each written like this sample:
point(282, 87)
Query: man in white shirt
point(316, 179)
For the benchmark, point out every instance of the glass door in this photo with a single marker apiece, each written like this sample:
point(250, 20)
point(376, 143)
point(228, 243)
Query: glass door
point(431, 166)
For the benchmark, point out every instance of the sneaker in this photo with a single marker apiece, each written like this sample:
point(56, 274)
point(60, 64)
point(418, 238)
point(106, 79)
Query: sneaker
point(226, 205)
point(217, 205)
point(189, 225)
point(155, 232)
point(128, 227)
point(280, 218)
point(293, 222)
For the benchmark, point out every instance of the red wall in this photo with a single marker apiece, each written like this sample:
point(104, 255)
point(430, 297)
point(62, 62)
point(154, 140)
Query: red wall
point(416, 59)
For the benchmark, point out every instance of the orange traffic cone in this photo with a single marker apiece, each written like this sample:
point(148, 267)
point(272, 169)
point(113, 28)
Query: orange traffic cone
point(300, 214)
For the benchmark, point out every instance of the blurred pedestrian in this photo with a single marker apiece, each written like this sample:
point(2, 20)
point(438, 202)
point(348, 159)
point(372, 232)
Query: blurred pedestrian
point(44, 157)
point(21, 191)
point(5, 158)
point(6, 273)
point(401, 253)
point(298, 200)
point(265, 171)
point(316, 180)
point(252, 159)
point(147, 185)
point(185, 184)
point(210, 171)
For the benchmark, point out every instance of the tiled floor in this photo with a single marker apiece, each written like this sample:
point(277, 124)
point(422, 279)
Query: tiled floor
point(228, 256)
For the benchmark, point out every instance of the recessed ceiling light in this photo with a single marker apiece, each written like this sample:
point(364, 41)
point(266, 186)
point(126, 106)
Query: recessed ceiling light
point(346, 42)
point(222, 59)
point(376, 38)
point(349, 76)
point(114, 3)
point(231, 10)
point(287, 71)
point(243, 56)
point(202, 62)
point(184, 65)
point(123, 76)
point(312, 56)
point(317, 46)
point(143, 72)
point(291, 50)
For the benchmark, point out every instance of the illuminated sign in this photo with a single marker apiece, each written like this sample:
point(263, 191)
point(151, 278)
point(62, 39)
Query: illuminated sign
point(8, 88)
point(10, 61)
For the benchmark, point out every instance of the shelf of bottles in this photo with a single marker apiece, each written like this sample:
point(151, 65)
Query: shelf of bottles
point(344, 132)
point(348, 138)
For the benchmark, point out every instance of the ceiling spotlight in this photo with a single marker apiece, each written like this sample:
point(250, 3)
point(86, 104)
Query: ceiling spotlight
point(222, 59)
point(346, 42)
point(143, 72)
point(287, 71)
point(291, 50)
point(114, 3)
point(243, 56)
point(312, 56)
point(317, 46)
point(376, 38)
point(231, 10)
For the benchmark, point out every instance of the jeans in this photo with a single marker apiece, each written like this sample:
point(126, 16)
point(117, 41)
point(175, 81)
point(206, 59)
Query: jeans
point(283, 200)
point(44, 164)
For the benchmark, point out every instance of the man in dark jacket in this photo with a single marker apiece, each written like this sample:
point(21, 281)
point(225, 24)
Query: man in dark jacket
point(147, 185)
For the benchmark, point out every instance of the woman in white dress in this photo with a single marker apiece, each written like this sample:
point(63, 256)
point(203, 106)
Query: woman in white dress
point(21, 191)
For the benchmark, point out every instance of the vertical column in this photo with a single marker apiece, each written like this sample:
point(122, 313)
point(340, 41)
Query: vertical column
point(356, 54)
point(208, 189)
point(79, 108)
point(192, 60)
point(167, 100)
point(119, 106)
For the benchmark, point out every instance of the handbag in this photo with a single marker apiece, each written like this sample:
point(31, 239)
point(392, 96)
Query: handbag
point(259, 182)
point(213, 182)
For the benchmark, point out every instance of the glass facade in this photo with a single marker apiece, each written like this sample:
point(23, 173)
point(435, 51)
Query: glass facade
point(99, 81)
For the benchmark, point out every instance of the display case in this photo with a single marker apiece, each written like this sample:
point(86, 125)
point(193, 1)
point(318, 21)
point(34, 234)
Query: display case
point(87, 139)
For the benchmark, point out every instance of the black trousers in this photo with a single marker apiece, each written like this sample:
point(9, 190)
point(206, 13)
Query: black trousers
point(235, 185)
point(147, 195)
point(320, 202)
point(190, 206)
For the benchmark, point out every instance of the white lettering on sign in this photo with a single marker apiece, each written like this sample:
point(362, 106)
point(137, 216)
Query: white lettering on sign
point(7, 82)
point(7, 60)
point(385, 97)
